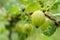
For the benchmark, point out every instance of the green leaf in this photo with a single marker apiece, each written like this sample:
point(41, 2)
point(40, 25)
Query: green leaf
point(12, 9)
point(56, 35)
point(33, 6)
point(21, 36)
point(50, 30)
point(54, 7)
point(23, 16)
point(25, 1)
point(41, 3)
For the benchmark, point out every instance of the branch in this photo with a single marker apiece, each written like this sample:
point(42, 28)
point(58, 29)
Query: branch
point(53, 19)
point(48, 16)
point(11, 24)
point(10, 33)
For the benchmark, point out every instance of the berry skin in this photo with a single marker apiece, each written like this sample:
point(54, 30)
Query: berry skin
point(46, 24)
point(27, 28)
point(38, 18)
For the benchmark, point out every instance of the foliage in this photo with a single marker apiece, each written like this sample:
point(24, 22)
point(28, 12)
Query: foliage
point(29, 19)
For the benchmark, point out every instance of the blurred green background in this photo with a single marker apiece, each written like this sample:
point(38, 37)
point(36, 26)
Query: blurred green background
point(6, 4)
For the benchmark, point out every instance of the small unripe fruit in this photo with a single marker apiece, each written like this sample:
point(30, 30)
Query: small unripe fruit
point(27, 28)
point(46, 24)
point(38, 18)
point(18, 27)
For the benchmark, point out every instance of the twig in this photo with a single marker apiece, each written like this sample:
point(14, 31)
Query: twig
point(53, 19)
point(48, 16)
point(12, 22)
point(10, 33)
